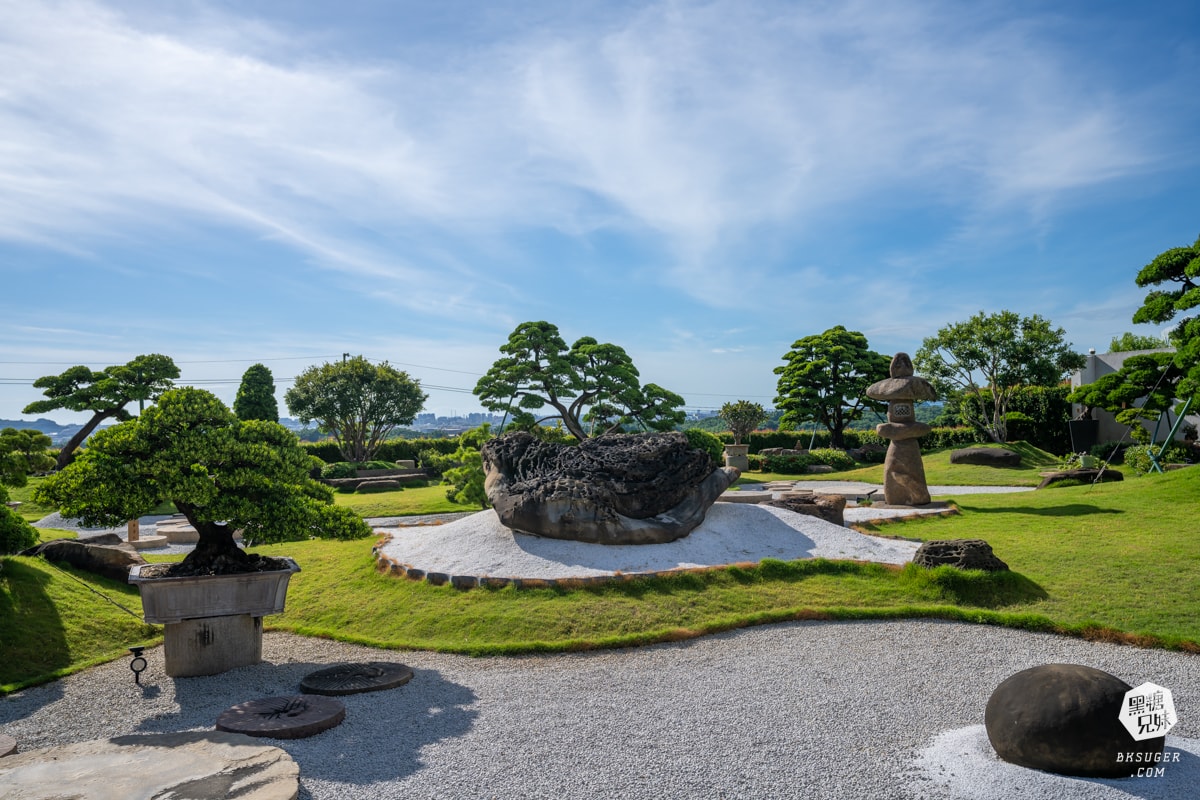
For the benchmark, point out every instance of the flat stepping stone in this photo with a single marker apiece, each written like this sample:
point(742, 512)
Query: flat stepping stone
point(343, 679)
point(290, 717)
point(8, 745)
point(182, 765)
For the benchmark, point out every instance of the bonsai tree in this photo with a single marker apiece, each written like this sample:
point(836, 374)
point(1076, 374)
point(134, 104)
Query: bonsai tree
point(104, 393)
point(593, 388)
point(742, 417)
point(222, 473)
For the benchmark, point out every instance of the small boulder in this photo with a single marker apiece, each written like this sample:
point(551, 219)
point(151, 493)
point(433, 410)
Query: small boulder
point(961, 553)
point(378, 485)
point(1065, 718)
point(829, 507)
point(986, 457)
point(110, 561)
point(1078, 476)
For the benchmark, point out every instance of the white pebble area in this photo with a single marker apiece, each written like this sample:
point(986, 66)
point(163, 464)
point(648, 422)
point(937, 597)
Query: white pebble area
point(797, 710)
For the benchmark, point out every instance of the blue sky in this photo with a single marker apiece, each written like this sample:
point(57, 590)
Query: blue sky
point(701, 183)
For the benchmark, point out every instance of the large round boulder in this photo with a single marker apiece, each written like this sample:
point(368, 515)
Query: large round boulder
point(1065, 718)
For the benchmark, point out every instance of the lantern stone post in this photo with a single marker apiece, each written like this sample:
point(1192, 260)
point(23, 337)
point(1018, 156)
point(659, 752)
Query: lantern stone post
point(903, 472)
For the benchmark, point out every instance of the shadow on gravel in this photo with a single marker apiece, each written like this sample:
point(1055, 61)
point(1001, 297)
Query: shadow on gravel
point(380, 739)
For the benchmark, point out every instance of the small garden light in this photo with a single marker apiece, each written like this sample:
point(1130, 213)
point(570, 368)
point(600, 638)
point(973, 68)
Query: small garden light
point(138, 664)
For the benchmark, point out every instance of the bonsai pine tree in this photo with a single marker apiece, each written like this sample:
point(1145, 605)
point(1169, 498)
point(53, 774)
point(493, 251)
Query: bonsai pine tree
point(256, 396)
point(104, 393)
point(742, 417)
point(223, 474)
point(592, 387)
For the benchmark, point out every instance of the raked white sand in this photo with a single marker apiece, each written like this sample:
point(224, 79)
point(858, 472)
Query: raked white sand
point(731, 533)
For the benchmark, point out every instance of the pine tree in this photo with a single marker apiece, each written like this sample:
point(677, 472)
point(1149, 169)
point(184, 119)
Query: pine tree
point(256, 396)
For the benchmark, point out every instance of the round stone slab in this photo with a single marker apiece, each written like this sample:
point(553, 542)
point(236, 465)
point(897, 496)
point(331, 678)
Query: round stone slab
point(290, 717)
point(192, 764)
point(370, 676)
point(8, 745)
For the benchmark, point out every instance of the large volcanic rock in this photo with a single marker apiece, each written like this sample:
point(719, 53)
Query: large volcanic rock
point(645, 488)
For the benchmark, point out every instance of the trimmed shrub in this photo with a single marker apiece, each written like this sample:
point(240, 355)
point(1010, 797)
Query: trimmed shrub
point(833, 458)
point(1137, 457)
point(703, 440)
point(787, 465)
point(15, 533)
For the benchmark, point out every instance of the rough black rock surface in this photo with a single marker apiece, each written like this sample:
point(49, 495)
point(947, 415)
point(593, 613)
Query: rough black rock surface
point(986, 457)
point(1077, 476)
point(829, 507)
point(644, 488)
point(1065, 718)
point(961, 553)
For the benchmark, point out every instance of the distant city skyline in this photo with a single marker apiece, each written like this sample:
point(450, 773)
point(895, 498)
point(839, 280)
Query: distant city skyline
point(702, 183)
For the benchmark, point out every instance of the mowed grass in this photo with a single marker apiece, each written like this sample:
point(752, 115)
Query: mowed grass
point(402, 503)
point(1116, 561)
point(940, 472)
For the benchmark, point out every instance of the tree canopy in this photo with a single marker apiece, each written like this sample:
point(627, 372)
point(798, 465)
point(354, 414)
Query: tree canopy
point(825, 381)
point(223, 474)
point(104, 393)
point(256, 396)
point(1161, 378)
point(357, 402)
point(984, 360)
point(743, 418)
point(592, 387)
point(22, 453)
point(1128, 342)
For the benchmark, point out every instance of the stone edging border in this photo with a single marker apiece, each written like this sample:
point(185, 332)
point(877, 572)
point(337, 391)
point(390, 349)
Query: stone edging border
point(390, 566)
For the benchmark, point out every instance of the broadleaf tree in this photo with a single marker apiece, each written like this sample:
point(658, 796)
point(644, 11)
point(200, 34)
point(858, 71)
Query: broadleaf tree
point(984, 360)
point(743, 418)
point(357, 402)
point(1128, 342)
point(221, 473)
point(256, 395)
point(593, 388)
point(825, 380)
point(105, 393)
point(1164, 378)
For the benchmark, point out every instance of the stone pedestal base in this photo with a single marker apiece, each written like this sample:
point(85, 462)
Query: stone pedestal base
point(904, 474)
point(212, 645)
point(735, 456)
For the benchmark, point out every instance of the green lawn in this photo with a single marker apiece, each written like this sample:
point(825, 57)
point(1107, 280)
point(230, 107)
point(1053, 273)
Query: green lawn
point(1116, 561)
point(940, 472)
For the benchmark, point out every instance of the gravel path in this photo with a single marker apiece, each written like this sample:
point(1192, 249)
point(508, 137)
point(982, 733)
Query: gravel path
point(797, 710)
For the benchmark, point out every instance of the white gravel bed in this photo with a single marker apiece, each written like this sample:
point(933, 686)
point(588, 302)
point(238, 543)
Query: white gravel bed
point(798, 710)
point(731, 533)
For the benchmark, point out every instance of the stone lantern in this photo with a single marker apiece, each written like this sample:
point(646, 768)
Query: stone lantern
point(903, 473)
